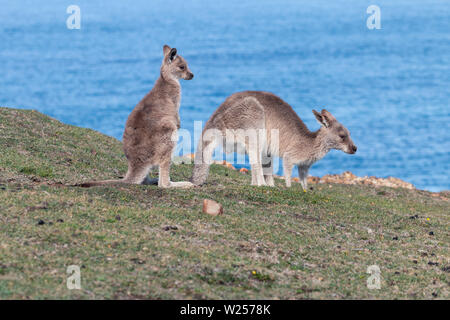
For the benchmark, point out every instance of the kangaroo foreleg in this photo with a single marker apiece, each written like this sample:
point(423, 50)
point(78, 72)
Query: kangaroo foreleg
point(303, 176)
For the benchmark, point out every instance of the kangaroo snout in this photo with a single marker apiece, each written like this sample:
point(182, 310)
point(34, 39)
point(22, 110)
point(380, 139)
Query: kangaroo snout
point(352, 149)
point(190, 76)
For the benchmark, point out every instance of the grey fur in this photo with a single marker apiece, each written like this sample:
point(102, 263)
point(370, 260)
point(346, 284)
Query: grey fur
point(297, 144)
point(148, 140)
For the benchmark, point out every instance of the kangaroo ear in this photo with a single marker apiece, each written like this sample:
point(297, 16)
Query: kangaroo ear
point(166, 50)
point(172, 54)
point(320, 118)
point(329, 118)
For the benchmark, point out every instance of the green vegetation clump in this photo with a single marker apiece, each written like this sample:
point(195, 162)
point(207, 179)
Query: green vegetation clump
point(141, 242)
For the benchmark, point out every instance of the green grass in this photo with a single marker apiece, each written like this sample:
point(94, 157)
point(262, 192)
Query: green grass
point(141, 242)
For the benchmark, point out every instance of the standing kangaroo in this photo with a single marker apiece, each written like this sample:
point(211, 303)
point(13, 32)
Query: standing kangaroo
point(152, 125)
point(263, 111)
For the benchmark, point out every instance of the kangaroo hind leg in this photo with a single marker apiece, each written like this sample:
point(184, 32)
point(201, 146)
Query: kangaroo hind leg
point(303, 176)
point(164, 178)
point(255, 140)
point(137, 175)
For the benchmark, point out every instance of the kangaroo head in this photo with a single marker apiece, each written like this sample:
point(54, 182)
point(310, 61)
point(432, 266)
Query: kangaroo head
point(336, 135)
point(174, 66)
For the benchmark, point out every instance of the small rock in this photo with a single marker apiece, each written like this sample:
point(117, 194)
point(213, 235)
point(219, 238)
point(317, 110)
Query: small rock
point(60, 220)
point(395, 238)
point(431, 233)
point(41, 222)
point(211, 207)
point(228, 165)
point(430, 263)
point(118, 218)
point(313, 179)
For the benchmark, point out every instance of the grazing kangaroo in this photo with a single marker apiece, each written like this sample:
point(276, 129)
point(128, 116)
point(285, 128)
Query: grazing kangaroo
point(263, 111)
point(152, 125)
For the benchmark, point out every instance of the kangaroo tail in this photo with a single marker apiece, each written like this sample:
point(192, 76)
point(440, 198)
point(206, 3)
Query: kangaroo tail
point(99, 183)
point(202, 161)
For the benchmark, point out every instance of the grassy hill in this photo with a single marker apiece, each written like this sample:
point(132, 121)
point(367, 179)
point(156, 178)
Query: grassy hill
point(135, 242)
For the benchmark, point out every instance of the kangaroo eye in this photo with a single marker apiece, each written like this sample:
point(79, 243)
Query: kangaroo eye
point(181, 67)
point(342, 137)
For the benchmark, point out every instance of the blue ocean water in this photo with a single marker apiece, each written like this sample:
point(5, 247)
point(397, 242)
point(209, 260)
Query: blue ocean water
point(390, 87)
